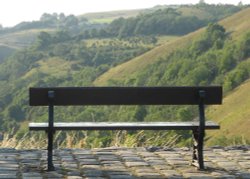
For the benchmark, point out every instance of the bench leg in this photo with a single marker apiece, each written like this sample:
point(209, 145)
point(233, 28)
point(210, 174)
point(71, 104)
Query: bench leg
point(197, 150)
point(50, 151)
point(199, 133)
point(51, 96)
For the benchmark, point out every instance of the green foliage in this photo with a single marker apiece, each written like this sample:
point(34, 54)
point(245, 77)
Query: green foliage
point(202, 63)
point(15, 112)
point(214, 37)
point(59, 59)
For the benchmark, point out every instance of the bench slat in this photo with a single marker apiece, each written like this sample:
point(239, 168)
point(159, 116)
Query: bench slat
point(123, 126)
point(125, 95)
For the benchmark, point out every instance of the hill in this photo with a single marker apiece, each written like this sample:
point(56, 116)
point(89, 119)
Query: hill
point(236, 25)
point(197, 59)
point(130, 68)
point(233, 116)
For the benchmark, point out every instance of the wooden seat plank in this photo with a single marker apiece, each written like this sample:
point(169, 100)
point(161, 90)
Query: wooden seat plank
point(123, 125)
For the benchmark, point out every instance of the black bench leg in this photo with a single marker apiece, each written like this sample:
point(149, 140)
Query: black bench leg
point(199, 133)
point(51, 96)
point(198, 160)
point(50, 151)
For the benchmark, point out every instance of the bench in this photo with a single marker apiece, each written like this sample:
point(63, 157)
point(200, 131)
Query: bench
point(68, 96)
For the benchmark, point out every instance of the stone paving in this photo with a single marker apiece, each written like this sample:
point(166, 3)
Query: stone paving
point(125, 163)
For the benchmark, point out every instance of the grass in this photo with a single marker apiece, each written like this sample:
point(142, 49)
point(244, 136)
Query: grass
point(102, 20)
point(233, 117)
point(236, 24)
point(80, 139)
point(21, 39)
point(53, 66)
point(165, 39)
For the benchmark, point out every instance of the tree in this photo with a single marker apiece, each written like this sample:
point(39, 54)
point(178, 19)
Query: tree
point(61, 36)
point(43, 39)
point(227, 62)
point(71, 20)
point(49, 18)
point(215, 31)
point(240, 4)
point(202, 2)
point(245, 46)
point(15, 112)
point(62, 17)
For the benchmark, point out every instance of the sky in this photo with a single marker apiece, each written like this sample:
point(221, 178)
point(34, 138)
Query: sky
point(13, 12)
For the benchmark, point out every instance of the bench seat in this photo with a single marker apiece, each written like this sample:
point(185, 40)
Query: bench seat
point(123, 126)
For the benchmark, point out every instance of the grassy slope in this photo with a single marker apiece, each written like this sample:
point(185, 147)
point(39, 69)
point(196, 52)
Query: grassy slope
point(20, 39)
point(233, 117)
point(53, 66)
point(237, 24)
point(131, 67)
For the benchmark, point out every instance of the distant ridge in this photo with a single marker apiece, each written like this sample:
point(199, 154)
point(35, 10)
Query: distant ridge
point(111, 15)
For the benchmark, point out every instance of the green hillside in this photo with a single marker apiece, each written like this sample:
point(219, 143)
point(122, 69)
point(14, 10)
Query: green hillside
point(233, 117)
point(126, 69)
point(236, 25)
point(20, 39)
point(198, 60)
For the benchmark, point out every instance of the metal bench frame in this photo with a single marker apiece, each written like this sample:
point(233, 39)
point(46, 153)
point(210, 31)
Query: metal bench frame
point(64, 96)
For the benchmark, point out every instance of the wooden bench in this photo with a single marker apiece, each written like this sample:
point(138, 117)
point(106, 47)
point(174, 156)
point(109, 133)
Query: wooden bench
point(67, 96)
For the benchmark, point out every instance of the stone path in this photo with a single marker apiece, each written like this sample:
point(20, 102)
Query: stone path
point(125, 163)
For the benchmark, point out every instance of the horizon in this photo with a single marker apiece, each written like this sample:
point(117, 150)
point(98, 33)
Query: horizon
point(28, 10)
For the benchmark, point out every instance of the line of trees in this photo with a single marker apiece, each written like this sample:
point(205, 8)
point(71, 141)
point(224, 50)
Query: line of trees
point(166, 21)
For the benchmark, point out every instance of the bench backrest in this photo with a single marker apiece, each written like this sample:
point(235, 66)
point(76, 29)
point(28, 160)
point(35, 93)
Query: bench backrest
point(63, 96)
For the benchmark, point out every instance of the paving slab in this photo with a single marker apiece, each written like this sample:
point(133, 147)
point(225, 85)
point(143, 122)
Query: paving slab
point(125, 163)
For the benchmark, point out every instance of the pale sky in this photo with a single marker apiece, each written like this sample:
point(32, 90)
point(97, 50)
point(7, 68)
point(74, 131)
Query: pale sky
point(13, 12)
